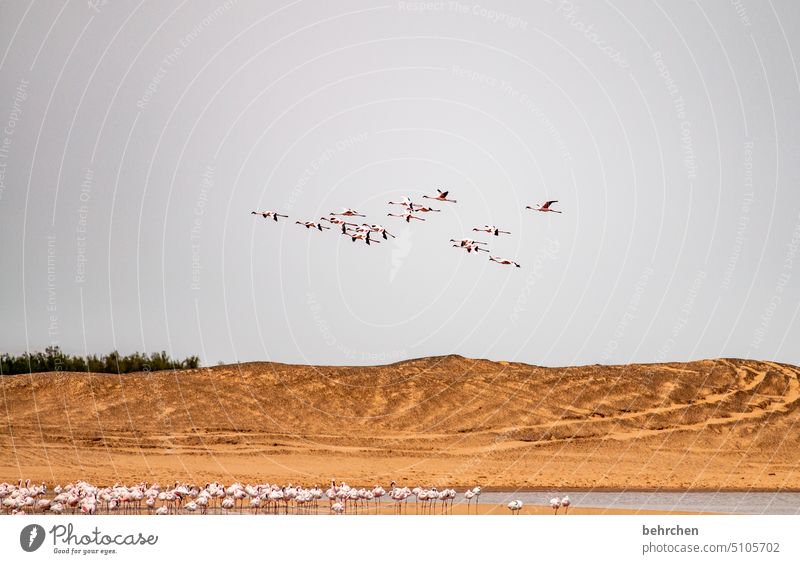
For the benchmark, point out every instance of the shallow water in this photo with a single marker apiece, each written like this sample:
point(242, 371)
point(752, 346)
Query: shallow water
point(759, 503)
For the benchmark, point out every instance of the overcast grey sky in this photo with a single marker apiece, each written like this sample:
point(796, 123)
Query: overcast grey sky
point(137, 137)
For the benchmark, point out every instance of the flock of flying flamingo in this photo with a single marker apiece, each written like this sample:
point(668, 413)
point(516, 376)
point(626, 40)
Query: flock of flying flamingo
point(366, 231)
point(215, 498)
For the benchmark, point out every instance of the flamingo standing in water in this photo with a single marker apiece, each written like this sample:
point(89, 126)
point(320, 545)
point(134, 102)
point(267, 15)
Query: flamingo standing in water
point(499, 260)
point(515, 506)
point(378, 492)
point(468, 495)
point(407, 216)
point(491, 229)
point(477, 491)
point(545, 207)
point(565, 503)
point(269, 214)
point(555, 503)
point(228, 504)
point(441, 197)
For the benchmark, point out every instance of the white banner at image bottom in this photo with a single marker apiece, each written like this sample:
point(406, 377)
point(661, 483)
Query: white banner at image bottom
point(351, 539)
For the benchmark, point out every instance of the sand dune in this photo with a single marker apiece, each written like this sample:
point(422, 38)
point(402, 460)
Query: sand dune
point(728, 424)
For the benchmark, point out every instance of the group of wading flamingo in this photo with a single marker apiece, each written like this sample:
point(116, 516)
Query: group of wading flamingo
point(83, 498)
point(367, 232)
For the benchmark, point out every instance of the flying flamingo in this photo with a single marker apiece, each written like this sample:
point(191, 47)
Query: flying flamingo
point(441, 197)
point(407, 216)
point(337, 221)
point(426, 209)
point(470, 248)
point(348, 212)
point(555, 503)
point(491, 229)
point(499, 260)
point(375, 228)
point(269, 214)
point(361, 236)
point(311, 225)
point(545, 207)
point(405, 202)
point(515, 506)
point(467, 242)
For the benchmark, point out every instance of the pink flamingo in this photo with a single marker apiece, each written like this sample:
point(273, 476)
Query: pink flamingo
point(337, 221)
point(375, 228)
point(470, 248)
point(545, 207)
point(407, 216)
point(491, 229)
point(406, 203)
point(467, 242)
point(311, 225)
point(269, 214)
point(499, 260)
point(441, 197)
point(348, 212)
point(468, 495)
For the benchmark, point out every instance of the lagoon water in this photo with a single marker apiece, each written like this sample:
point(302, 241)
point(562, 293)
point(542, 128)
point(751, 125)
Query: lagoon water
point(766, 503)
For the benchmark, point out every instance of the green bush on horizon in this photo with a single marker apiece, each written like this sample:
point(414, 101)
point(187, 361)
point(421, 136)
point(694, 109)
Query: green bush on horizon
point(54, 360)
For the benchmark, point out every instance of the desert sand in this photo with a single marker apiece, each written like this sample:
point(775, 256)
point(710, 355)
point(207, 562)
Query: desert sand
point(448, 421)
